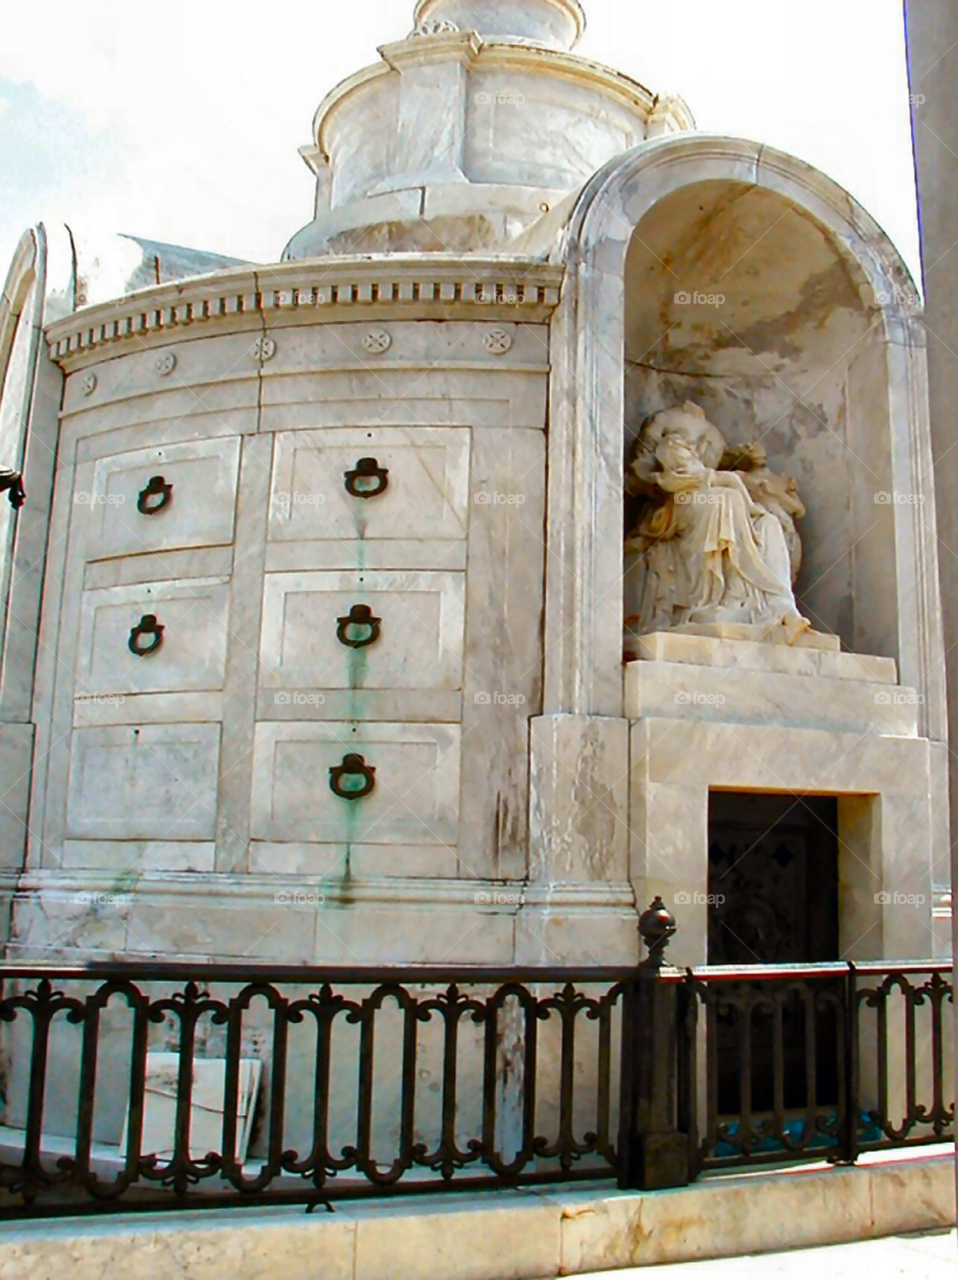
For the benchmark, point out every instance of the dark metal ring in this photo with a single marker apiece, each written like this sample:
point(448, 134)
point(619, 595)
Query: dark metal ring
point(353, 766)
point(147, 626)
point(360, 615)
point(157, 487)
point(367, 469)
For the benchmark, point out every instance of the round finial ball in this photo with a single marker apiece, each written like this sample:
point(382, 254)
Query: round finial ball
point(656, 924)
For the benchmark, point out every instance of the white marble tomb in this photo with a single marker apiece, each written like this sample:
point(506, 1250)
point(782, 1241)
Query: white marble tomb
point(478, 305)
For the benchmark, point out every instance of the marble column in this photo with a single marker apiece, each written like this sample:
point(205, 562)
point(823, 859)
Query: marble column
point(932, 34)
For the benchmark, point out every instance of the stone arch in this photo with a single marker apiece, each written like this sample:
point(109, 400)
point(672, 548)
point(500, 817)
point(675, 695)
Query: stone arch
point(590, 404)
point(30, 399)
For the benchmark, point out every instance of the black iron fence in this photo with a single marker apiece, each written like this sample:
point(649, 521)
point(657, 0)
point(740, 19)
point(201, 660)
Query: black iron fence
point(158, 1085)
point(820, 1062)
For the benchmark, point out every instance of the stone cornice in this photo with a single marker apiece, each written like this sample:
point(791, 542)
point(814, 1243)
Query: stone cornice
point(320, 290)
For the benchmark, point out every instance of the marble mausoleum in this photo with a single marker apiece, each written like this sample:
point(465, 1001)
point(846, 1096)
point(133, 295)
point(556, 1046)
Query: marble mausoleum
point(549, 528)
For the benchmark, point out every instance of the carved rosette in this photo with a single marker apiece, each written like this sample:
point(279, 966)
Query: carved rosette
point(264, 349)
point(377, 341)
point(497, 341)
point(165, 363)
point(88, 384)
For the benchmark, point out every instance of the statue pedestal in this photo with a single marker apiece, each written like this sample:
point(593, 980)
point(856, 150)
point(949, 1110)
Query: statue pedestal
point(756, 633)
point(722, 714)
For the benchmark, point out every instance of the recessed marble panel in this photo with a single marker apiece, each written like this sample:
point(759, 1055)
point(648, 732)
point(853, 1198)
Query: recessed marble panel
point(415, 799)
point(415, 641)
point(424, 494)
point(195, 509)
point(192, 649)
point(151, 782)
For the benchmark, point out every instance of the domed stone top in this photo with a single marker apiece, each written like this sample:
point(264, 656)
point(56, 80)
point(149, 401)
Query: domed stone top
point(554, 24)
point(470, 130)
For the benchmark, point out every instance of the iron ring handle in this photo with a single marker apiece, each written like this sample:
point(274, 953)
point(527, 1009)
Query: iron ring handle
point(147, 626)
point(156, 487)
point(353, 766)
point(367, 469)
point(360, 615)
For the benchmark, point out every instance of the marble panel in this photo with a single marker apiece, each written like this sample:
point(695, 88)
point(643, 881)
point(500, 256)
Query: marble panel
point(912, 1195)
point(196, 510)
point(133, 857)
point(506, 141)
point(714, 1219)
point(422, 706)
point(192, 651)
point(425, 494)
point(415, 799)
point(229, 407)
point(55, 922)
point(419, 346)
point(420, 633)
point(365, 861)
point(442, 397)
point(16, 761)
point(153, 782)
point(201, 562)
point(413, 935)
point(503, 657)
point(605, 934)
point(769, 758)
point(180, 922)
point(731, 696)
point(204, 361)
point(579, 799)
point(242, 662)
point(119, 436)
point(97, 708)
point(746, 655)
point(394, 553)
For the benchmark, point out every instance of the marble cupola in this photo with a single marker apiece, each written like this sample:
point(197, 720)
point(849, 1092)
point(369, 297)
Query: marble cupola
point(469, 131)
point(549, 24)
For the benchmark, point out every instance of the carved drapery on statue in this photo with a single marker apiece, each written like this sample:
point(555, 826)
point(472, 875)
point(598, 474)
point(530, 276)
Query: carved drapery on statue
point(715, 540)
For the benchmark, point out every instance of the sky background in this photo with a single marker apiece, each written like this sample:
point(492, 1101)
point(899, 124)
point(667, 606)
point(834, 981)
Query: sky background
point(180, 122)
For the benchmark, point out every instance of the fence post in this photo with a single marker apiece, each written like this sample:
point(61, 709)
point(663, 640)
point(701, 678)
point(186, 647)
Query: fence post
point(653, 1152)
point(852, 1058)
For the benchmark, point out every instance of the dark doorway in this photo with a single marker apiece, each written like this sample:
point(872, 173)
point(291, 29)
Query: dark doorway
point(773, 877)
point(774, 862)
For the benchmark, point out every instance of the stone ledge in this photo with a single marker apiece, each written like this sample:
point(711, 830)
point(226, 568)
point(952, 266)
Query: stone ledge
point(506, 1235)
point(801, 659)
point(731, 695)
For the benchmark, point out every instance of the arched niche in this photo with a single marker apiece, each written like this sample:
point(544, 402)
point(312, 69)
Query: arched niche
point(809, 338)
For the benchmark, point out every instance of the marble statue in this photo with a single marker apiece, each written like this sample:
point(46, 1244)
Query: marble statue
point(715, 540)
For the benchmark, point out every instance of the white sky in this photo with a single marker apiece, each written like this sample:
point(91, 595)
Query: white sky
point(180, 121)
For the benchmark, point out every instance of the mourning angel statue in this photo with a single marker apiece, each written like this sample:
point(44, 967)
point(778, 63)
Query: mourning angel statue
point(715, 538)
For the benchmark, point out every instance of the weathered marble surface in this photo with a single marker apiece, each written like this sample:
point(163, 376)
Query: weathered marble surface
point(884, 815)
point(262, 551)
point(506, 1235)
point(726, 695)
